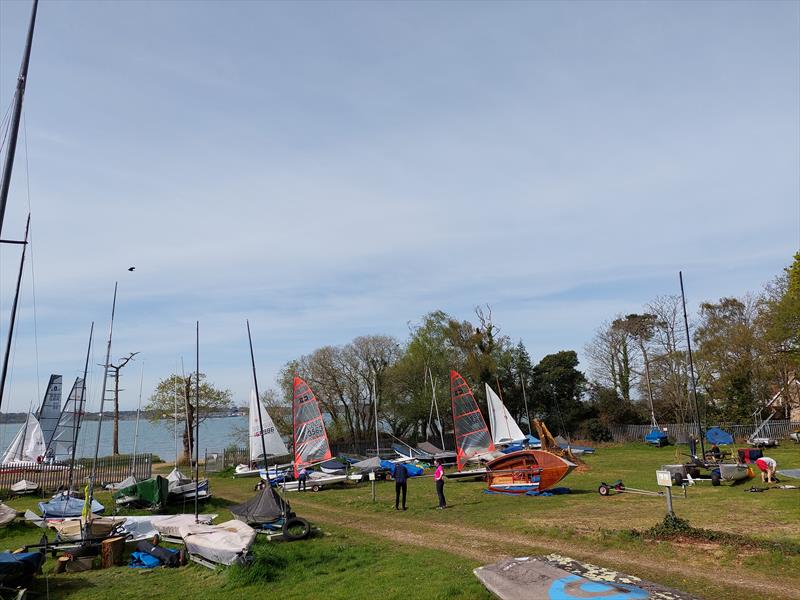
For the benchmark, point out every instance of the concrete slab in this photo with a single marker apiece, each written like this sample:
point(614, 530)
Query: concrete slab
point(556, 577)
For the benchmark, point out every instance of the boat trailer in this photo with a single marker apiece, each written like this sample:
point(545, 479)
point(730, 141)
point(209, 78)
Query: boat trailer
point(618, 487)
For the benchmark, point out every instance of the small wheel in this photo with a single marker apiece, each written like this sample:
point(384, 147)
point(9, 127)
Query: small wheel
point(315, 488)
point(296, 529)
point(603, 490)
point(716, 480)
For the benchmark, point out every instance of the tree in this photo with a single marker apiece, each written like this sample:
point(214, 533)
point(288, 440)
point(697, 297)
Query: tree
point(559, 388)
point(610, 359)
point(177, 393)
point(640, 329)
point(116, 369)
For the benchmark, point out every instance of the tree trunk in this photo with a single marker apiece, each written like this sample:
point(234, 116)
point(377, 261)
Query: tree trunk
point(115, 451)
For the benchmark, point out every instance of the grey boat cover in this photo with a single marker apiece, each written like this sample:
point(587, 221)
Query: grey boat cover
point(223, 544)
point(370, 464)
point(264, 507)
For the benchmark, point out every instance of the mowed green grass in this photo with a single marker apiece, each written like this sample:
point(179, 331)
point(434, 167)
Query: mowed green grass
point(343, 562)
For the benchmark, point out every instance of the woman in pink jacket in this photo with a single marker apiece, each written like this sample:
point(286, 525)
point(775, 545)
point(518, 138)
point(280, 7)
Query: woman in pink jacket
point(438, 477)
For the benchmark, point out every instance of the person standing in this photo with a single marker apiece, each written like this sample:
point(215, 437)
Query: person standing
point(438, 477)
point(302, 477)
point(767, 467)
point(400, 484)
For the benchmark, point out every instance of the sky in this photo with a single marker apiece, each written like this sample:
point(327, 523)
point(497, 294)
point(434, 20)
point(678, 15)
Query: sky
point(336, 169)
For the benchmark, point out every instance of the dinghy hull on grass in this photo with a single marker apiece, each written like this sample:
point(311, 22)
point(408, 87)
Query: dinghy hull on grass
point(314, 483)
point(225, 544)
point(527, 471)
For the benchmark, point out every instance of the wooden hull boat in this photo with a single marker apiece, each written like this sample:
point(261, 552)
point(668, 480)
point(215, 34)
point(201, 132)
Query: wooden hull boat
point(526, 471)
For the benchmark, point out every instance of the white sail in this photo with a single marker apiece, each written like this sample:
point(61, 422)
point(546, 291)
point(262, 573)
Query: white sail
point(60, 447)
point(504, 428)
point(272, 439)
point(28, 445)
point(50, 411)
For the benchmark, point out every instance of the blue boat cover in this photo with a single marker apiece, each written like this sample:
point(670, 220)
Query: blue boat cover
point(16, 568)
point(533, 440)
point(65, 506)
point(656, 437)
point(413, 470)
point(715, 435)
point(512, 448)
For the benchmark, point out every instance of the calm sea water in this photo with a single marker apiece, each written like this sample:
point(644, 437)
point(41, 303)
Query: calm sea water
point(158, 438)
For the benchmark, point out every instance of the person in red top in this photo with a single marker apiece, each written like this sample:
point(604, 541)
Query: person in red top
point(438, 477)
point(767, 467)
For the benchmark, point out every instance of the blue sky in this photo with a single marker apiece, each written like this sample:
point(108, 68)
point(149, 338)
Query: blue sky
point(336, 169)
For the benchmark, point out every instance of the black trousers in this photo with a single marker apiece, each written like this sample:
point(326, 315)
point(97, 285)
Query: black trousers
point(301, 484)
point(440, 492)
point(398, 485)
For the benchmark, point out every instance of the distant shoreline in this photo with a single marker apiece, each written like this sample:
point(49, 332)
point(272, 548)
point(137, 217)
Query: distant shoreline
point(124, 415)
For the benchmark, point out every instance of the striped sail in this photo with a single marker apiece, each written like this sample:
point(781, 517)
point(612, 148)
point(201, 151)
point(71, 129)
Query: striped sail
point(50, 411)
point(310, 439)
point(60, 447)
point(472, 435)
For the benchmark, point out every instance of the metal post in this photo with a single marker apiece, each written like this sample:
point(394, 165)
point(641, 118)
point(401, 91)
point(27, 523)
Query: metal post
point(197, 422)
point(691, 370)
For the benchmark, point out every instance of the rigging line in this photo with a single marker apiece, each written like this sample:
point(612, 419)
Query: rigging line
point(30, 250)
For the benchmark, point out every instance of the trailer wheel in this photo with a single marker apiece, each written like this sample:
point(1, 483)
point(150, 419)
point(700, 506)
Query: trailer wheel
point(315, 488)
point(296, 529)
point(715, 478)
point(603, 490)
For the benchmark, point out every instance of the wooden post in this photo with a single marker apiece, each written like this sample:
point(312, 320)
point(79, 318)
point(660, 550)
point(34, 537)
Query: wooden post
point(111, 551)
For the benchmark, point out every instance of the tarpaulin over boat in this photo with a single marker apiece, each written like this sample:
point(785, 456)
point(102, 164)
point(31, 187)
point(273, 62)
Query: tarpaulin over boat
point(472, 435)
point(333, 466)
point(224, 544)
point(413, 470)
point(66, 506)
point(715, 435)
point(19, 568)
point(656, 437)
point(310, 439)
point(264, 507)
point(151, 492)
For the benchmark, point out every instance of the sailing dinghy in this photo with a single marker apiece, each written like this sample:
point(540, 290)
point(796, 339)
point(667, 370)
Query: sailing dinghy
point(473, 442)
point(273, 443)
point(27, 448)
point(526, 472)
point(505, 430)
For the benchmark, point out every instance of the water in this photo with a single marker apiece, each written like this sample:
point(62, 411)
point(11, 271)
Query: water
point(157, 438)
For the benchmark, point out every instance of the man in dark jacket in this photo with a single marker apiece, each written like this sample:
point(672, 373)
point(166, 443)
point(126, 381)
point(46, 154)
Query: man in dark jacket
point(400, 483)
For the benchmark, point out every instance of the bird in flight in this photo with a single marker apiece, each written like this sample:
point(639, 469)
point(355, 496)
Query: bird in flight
point(131, 268)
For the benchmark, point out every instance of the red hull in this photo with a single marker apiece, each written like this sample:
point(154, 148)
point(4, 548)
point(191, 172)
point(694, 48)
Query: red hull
point(527, 470)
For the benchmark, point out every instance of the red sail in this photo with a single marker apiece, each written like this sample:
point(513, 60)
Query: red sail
point(310, 439)
point(472, 435)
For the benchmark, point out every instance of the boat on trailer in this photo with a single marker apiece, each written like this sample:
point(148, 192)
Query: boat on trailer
point(527, 471)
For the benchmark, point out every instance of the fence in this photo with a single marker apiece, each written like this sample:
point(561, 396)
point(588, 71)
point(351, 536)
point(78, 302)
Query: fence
point(110, 469)
point(682, 431)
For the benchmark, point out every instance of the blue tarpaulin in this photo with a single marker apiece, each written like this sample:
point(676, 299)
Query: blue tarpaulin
point(715, 435)
point(65, 506)
point(656, 437)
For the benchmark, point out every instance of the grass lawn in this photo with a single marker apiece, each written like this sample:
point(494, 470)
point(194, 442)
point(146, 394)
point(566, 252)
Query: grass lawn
point(367, 548)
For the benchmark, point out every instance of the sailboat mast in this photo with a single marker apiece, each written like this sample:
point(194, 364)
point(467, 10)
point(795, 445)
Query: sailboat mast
point(436, 405)
point(525, 399)
point(22, 79)
point(258, 397)
point(78, 416)
point(102, 398)
point(197, 421)
point(175, 428)
point(14, 306)
point(136, 433)
point(691, 371)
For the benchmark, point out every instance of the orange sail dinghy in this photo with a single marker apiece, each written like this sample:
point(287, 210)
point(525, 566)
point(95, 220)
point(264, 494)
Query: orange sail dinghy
point(526, 471)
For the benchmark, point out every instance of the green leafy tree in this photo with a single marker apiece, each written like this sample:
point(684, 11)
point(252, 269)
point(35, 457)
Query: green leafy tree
point(559, 389)
point(178, 393)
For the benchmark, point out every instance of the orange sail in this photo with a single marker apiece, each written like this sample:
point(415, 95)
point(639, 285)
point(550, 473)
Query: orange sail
point(472, 435)
point(310, 438)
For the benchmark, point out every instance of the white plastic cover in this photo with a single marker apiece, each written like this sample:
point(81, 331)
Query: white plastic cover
point(224, 544)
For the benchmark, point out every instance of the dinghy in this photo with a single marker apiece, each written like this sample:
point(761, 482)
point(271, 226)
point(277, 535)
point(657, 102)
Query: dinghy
point(7, 514)
point(23, 487)
point(473, 441)
point(183, 488)
point(225, 544)
point(273, 443)
point(316, 481)
point(527, 471)
point(310, 438)
point(26, 449)
point(64, 506)
point(504, 428)
point(151, 493)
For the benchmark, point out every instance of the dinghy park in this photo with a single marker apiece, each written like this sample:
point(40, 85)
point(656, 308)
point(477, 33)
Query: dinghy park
point(661, 461)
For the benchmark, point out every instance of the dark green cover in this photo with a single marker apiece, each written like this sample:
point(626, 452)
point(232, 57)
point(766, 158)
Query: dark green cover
point(150, 492)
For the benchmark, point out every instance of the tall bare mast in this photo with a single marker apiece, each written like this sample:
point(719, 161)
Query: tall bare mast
point(19, 94)
point(258, 398)
point(102, 398)
point(691, 372)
